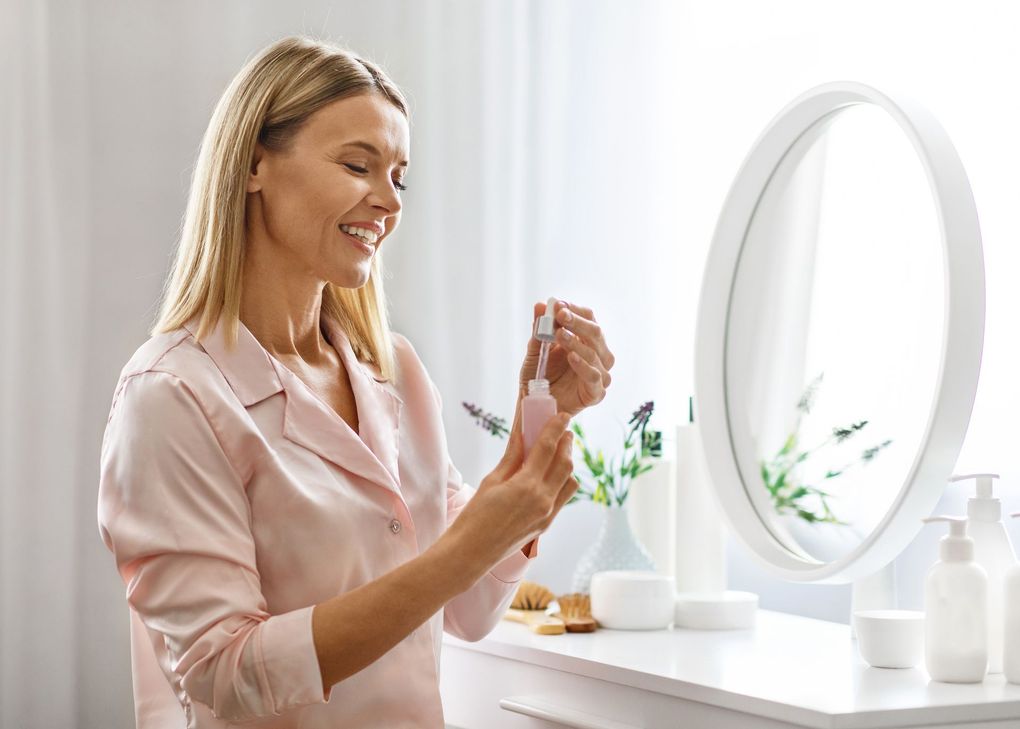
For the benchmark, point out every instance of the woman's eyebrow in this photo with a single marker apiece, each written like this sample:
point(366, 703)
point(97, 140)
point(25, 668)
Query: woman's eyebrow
point(370, 148)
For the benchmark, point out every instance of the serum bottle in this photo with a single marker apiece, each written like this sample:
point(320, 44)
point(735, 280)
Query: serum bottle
point(538, 405)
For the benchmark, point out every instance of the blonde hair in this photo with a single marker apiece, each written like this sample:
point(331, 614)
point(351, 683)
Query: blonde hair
point(268, 101)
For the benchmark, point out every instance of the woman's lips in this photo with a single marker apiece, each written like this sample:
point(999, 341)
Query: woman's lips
point(358, 243)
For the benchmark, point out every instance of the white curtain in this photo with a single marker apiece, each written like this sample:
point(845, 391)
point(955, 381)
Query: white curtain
point(50, 650)
point(543, 154)
point(544, 162)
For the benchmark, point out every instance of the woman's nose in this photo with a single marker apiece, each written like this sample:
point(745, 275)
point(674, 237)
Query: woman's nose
point(385, 195)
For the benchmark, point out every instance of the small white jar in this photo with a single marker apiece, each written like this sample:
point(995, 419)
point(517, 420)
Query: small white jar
point(632, 599)
point(890, 638)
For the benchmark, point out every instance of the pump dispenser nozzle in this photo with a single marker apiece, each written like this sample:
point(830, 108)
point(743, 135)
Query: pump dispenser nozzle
point(983, 506)
point(956, 546)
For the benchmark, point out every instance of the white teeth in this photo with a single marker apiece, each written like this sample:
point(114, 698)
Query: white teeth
point(369, 236)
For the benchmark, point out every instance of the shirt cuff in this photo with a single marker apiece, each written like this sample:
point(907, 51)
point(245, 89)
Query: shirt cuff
point(512, 568)
point(290, 662)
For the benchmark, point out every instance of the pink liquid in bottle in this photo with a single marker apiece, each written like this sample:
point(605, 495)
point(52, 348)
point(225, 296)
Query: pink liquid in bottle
point(538, 406)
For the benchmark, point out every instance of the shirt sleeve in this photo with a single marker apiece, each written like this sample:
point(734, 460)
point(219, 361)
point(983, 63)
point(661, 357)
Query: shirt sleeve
point(174, 512)
point(473, 614)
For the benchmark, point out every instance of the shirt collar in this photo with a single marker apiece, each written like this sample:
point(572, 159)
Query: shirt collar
point(247, 367)
point(251, 373)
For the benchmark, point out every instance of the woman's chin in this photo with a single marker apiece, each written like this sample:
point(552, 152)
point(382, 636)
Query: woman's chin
point(350, 279)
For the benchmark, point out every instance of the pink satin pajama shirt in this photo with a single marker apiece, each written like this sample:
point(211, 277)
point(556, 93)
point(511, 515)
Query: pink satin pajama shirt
point(234, 500)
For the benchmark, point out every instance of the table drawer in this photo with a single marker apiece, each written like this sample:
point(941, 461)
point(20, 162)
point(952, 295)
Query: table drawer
point(473, 684)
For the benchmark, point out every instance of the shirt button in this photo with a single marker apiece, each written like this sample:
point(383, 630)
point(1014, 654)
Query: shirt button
point(395, 526)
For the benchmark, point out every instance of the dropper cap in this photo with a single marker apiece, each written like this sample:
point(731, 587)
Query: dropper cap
point(545, 330)
point(984, 506)
point(955, 546)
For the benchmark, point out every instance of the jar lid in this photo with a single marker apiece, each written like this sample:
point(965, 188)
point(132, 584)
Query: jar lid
point(729, 610)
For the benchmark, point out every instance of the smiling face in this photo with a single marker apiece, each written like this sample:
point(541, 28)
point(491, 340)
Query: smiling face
point(343, 167)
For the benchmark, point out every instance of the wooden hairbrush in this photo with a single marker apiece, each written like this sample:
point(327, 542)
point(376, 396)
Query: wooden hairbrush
point(529, 606)
point(532, 596)
point(575, 611)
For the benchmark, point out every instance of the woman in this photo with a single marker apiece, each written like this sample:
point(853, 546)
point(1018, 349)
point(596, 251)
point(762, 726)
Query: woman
point(275, 482)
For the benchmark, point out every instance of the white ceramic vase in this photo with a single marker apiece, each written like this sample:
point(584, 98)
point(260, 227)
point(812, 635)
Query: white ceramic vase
point(616, 548)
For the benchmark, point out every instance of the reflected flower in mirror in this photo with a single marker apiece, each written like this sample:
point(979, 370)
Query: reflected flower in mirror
point(783, 474)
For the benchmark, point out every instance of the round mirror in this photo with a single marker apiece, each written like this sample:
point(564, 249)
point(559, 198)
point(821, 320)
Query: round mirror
point(839, 333)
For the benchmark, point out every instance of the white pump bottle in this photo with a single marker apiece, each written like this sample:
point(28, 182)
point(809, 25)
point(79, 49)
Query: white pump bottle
point(994, 552)
point(1011, 607)
point(956, 609)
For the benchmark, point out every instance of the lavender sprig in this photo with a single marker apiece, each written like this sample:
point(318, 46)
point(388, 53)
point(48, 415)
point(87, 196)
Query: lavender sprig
point(492, 423)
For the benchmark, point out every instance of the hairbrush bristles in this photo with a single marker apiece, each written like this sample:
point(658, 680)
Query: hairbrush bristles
point(532, 596)
point(575, 605)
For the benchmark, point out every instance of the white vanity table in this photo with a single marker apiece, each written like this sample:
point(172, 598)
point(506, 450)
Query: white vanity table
point(789, 671)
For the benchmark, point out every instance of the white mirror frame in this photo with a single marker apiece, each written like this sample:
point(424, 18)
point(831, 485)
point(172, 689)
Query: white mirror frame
point(961, 347)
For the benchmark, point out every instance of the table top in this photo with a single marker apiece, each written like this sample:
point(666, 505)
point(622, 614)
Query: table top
point(789, 668)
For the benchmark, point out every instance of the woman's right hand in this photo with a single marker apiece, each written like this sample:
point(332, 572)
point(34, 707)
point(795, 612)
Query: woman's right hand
point(521, 497)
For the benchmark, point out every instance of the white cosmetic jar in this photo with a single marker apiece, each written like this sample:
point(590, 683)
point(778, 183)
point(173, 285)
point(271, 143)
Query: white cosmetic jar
point(632, 600)
point(890, 638)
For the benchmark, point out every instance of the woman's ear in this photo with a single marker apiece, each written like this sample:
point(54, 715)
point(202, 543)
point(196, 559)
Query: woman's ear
point(254, 181)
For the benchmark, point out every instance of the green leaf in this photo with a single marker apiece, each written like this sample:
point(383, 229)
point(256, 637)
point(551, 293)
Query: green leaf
point(651, 443)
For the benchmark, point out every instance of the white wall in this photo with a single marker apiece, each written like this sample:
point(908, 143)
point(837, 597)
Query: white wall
point(739, 63)
point(726, 69)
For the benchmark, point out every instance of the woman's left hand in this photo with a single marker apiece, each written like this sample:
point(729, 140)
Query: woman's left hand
point(579, 359)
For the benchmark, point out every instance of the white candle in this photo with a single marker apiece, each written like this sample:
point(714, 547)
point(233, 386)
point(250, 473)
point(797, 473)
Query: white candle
point(699, 533)
point(651, 500)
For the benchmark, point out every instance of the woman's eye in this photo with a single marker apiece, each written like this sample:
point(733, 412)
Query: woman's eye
point(363, 170)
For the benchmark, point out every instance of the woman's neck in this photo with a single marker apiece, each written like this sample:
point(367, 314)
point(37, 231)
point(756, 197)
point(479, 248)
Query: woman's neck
point(284, 315)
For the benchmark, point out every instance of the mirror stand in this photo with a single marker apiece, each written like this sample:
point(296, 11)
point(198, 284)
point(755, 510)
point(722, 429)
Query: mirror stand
point(874, 592)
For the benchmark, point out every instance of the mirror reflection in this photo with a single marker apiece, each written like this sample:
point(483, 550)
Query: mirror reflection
point(834, 333)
